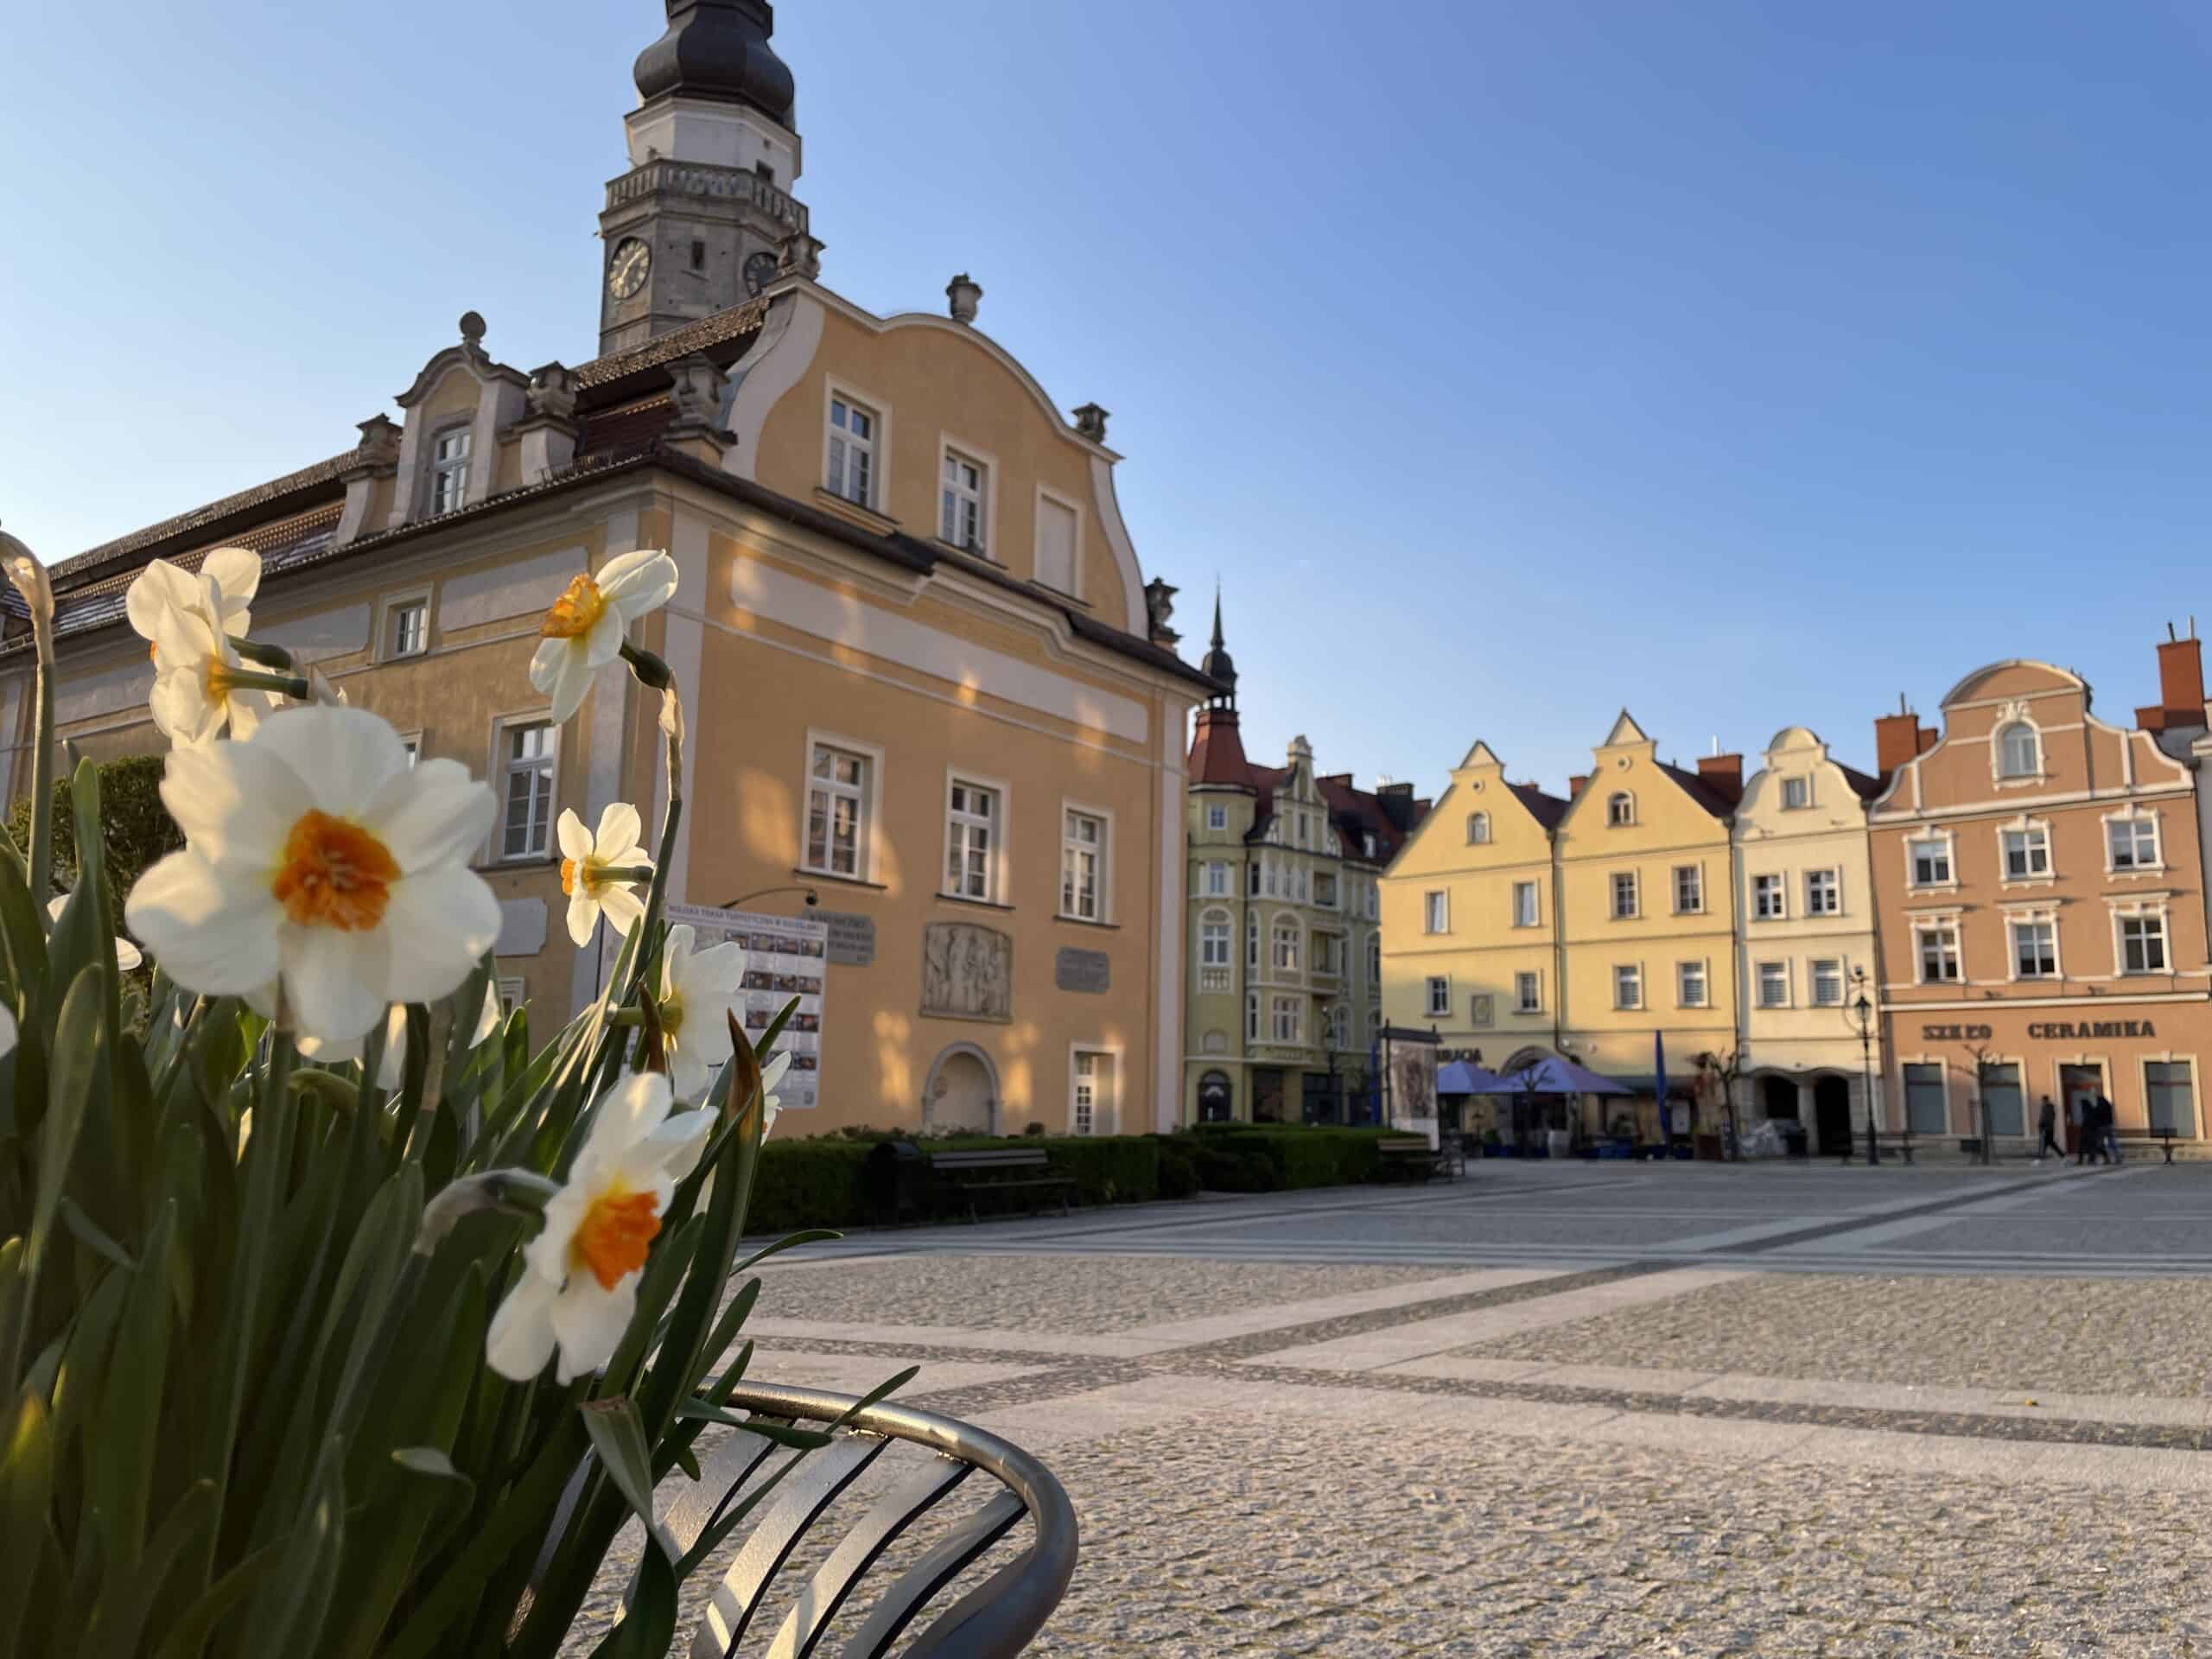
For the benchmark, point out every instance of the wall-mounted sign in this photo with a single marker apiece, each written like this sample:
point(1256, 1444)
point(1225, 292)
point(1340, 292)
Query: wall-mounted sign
point(852, 938)
point(1954, 1033)
point(2064, 1031)
point(1082, 970)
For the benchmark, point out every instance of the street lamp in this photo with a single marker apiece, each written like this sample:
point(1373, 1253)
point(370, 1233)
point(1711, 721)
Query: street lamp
point(1860, 1012)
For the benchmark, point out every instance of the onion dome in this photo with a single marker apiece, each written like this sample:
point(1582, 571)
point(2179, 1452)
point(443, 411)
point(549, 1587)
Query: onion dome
point(719, 49)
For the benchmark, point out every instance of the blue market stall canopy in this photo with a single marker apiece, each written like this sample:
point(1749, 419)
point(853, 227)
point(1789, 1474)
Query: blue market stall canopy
point(1552, 1076)
point(1458, 1078)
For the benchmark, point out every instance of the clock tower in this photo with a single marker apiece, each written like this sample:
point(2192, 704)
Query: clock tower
point(698, 223)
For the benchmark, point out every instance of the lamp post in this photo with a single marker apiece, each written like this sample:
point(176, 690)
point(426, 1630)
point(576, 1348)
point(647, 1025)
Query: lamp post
point(1860, 1012)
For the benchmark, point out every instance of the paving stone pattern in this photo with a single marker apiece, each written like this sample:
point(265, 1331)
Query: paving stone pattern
point(2102, 1335)
point(1355, 1540)
point(1092, 1295)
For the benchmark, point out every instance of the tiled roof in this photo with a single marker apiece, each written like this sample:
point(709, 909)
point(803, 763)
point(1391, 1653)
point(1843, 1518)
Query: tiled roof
point(1698, 790)
point(1546, 810)
point(736, 323)
point(1861, 785)
point(319, 478)
point(282, 544)
point(625, 430)
point(1357, 813)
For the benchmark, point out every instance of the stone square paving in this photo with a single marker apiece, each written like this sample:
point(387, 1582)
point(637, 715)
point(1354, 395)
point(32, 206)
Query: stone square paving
point(1566, 1410)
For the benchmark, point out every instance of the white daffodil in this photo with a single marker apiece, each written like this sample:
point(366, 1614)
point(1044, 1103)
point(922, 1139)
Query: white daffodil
point(391, 1067)
point(315, 855)
point(222, 593)
point(598, 871)
point(697, 994)
point(583, 631)
point(579, 1284)
point(127, 955)
point(770, 1075)
point(200, 685)
point(7, 1032)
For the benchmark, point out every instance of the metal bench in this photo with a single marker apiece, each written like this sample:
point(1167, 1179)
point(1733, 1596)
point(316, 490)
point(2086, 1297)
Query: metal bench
point(1885, 1140)
point(925, 1457)
point(2161, 1133)
point(1406, 1156)
point(1012, 1169)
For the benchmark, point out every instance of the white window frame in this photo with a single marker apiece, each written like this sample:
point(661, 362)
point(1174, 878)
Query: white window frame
point(2018, 721)
point(1634, 909)
point(1252, 956)
point(1287, 1032)
point(1477, 828)
point(1620, 820)
point(1216, 815)
point(1683, 972)
point(1801, 787)
point(501, 730)
point(1824, 885)
point(513, 991)
point(412, 742)
point(1630, 967)
point(961, 826)
point(1764, 977)
point(1105, 1103)
point(1528, 979)
point(2014, 921)
point(1769, 896)
point(1921, 927)
point(2123, 914)
point(2143, 1078)
point(948, 448)
point(1214, 880)
point(1534, 891)
point(1696, 873)
point(1286, 930)
point(1926, 838)
point(2134, 819)
point(870, 796)
point(1068, 844)
point(389, 609)
point(1815, 978)
point(2035, 838)
point(1440, 996)
point(1045, 493)
point(1374, 963)
point(1216, 925)
point(1436, 910)
point(877, 446)
point(445, 480)
point(1251, 1017)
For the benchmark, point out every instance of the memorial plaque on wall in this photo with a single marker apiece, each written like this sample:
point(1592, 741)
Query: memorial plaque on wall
point(852, 938)
point(967, 972)
point(1081, 970)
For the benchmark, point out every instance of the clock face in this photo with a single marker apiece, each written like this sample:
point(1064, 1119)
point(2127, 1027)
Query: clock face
point(760, 271)
point(625, 271)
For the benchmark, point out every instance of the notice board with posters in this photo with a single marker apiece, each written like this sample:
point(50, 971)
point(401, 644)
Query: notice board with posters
point(1409, 1068)
point(784, 956)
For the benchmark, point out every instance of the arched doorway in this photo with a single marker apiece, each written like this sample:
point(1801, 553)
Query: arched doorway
point(1216, 1098)
point(1832, 1112)
point(963, 1097)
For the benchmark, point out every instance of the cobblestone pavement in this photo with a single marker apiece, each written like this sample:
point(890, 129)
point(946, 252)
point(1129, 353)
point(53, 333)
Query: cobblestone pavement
point(2105, 1336)
point(1648, 1444)
point(1017, 1293)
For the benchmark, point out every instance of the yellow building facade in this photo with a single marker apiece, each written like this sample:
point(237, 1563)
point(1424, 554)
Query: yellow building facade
point(931, 696)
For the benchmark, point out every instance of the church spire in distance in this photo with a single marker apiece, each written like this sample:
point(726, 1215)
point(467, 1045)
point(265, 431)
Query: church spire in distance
point(1218, 663)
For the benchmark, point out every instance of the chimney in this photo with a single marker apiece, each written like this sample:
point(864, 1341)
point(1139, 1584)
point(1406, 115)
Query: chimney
point(1577, 783)
point(1724, 773)
point(1927, 740)
point(1896, 740)
point(965, 293)
point(2181, 678)
point(1090, 421)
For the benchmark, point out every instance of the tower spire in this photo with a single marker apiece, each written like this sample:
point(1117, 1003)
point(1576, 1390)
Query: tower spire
point(1218, 663)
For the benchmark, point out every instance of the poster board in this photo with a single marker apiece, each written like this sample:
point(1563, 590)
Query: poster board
point(1409, 1080)
point(784, 956)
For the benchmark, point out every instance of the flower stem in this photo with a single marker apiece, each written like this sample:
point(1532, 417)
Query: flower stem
point(30, 580)
point(290, 685)
point(259, 651)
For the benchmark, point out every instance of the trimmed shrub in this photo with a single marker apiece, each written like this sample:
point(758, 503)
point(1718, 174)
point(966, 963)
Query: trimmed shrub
point(135, 828)
point(1179, 1169)
point(823, 1182)
point(1289, 1157)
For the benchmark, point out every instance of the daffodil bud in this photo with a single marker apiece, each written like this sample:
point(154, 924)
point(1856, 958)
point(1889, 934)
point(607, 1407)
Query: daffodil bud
point(505, 1191)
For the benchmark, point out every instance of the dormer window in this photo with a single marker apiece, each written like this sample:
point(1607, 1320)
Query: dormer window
point(450, 470)
point(960, 519)
point(1620, 809)
point(1477, 828)
point(851, 470)
point(1797, 792)
point(2020, 753)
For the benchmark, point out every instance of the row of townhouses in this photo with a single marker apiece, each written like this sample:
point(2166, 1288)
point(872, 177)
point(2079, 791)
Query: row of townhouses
point(2013, 907)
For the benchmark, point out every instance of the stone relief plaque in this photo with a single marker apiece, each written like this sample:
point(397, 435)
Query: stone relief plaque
point(967, 972)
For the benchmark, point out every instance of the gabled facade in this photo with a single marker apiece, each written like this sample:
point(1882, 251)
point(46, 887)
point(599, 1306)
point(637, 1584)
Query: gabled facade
point(930, 691)
point(1805, 891)
point(1646, 922)
point(2040, 882)
point(1469, 916)
point(1284, 941)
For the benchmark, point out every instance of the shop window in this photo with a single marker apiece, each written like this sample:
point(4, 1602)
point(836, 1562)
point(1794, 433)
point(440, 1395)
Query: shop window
point(2169, 1096)
point(1927, 1105)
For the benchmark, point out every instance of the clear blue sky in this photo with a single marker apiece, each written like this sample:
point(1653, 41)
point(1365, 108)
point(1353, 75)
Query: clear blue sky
point(1746, 363)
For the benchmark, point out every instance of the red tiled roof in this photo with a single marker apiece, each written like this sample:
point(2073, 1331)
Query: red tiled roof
point(1861, 785)
point(319, 480)
point(1698, 790)
point(738, 322)
point(1546, 810)
point(1218, 750)
point(627, 430)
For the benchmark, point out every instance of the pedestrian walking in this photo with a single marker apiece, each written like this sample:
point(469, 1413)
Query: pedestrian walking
point(2047, 1121)
point(2107, 1130)
point(2077, 1117)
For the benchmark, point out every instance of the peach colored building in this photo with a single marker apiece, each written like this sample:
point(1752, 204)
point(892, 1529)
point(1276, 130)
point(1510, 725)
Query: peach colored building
point(2039, 886)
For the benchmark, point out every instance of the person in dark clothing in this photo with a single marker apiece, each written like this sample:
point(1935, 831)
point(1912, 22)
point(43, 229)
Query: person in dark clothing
point(2096, 1125)
point(2047, 1121)
point(2109, 1128)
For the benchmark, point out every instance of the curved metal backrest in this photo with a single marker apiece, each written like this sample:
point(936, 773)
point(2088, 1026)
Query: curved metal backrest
point(995, 1620)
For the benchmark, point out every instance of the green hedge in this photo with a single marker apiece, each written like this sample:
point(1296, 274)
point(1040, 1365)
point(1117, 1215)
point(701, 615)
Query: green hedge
point(824, 1183)
point(135, 828)
point(1285, 1158)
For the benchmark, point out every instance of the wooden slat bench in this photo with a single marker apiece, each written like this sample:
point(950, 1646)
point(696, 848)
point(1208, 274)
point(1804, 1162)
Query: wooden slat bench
point(2160, 1133)
point(973, 1175)
point(1406, 1156)
point(1900, 1141)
